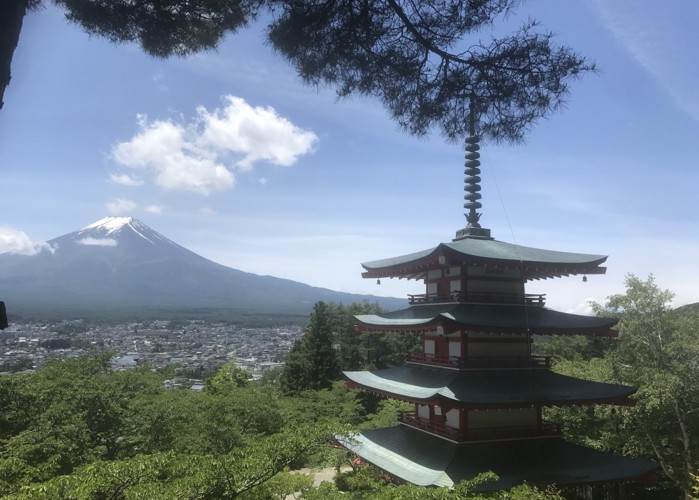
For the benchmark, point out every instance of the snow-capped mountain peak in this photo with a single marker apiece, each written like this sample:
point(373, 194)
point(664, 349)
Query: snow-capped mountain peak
point(109, 228)
point(109, 224)
point(120, 264)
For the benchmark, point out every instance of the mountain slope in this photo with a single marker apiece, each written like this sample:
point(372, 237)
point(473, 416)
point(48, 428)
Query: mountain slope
point(119, 263)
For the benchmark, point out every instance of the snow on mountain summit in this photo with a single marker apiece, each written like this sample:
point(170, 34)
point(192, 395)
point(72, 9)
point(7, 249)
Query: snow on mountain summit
point(109, 228)
point(110, 224)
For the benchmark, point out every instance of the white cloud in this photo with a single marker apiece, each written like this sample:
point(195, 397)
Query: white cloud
point(256, 133)
point(584, 308)
point(18, 242)
point(99, 242)
point(263, 180)
point(125, 180)
point(201, 156)
point(154, 209)
point(165, 148)
point(121, 206)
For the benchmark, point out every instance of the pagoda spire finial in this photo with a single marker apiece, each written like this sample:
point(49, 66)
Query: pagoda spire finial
point(472, 180)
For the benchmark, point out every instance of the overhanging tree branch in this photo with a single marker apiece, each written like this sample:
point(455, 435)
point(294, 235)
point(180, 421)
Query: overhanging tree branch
point(404, 52)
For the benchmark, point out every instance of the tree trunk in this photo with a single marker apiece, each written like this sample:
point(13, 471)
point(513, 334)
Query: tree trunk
point(11, 16)
point(687, 451)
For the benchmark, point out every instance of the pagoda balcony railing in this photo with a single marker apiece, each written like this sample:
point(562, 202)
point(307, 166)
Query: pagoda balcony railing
point(480, 362)
point(411, 419)
point(530, 299)
point(431, 359)
point(440, 428)
point(514, 431)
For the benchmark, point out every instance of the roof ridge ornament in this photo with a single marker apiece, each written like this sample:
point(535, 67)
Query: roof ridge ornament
point(472, 180)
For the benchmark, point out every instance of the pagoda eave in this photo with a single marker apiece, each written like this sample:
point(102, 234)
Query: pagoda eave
point(414, 456)
point(445, 402)
point(534, 263)
point(480, 389)
point(486, 318)
point(530, 272)
point(451, 326)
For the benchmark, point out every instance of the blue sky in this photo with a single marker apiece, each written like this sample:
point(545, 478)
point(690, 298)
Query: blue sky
point(229, 155)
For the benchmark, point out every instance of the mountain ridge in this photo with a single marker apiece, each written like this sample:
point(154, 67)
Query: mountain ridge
point(119, 263)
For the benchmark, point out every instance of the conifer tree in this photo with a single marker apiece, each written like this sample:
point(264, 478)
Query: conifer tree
point(312, 362)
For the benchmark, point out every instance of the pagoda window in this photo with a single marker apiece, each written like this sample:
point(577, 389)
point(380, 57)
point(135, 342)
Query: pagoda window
point(490, 419)
point(423, 411)
point(453, 417)
point(429, 346)
point(494, 285)
point(498, 349)
point(434, 274)
point(455, 289)
point(455, 348)
point(453, 271)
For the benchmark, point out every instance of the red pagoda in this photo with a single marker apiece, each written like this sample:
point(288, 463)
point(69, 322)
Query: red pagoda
point(476, 387)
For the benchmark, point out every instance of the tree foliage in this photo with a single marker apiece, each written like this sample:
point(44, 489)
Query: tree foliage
point(75, 429)
point(331, 344)
point(312, 362)
point(368, 350)
point(228, 376)
point(370, 483)
point(656, 351)
point(425, 60)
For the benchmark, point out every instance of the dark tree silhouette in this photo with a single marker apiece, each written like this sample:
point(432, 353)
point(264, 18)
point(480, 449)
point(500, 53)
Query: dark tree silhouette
point(12, 14)
point(424, 59)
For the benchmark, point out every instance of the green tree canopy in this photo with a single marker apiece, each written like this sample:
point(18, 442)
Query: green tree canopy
point(656, 351)
point(312, 361)
point(228, 376)
point(75, 429)
point(425, 60)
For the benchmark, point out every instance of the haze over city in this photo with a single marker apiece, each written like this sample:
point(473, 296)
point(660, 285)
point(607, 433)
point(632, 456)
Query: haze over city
point(229, 155)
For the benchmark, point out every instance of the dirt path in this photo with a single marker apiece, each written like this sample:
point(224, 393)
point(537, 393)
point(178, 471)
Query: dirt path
point(319, 476)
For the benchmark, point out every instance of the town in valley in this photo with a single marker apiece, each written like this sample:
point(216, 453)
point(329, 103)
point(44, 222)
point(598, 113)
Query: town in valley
point(194, 349)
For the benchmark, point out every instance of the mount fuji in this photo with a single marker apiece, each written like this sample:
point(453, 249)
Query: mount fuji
point(118, 264)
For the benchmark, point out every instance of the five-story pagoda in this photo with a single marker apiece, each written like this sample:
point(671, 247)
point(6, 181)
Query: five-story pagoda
point(476, 387)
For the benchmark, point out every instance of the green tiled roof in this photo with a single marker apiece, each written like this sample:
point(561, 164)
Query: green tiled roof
point(426, 460)
point(486, 388)
point(478, 248)
point(490, 317)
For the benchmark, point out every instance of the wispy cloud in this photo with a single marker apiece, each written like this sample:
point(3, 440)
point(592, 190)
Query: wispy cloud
point(154, 209)
point(202, 155)
point(125, 180)
point(158, 79)
point(121, 206)
point(18, 242)
point(663, 38)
